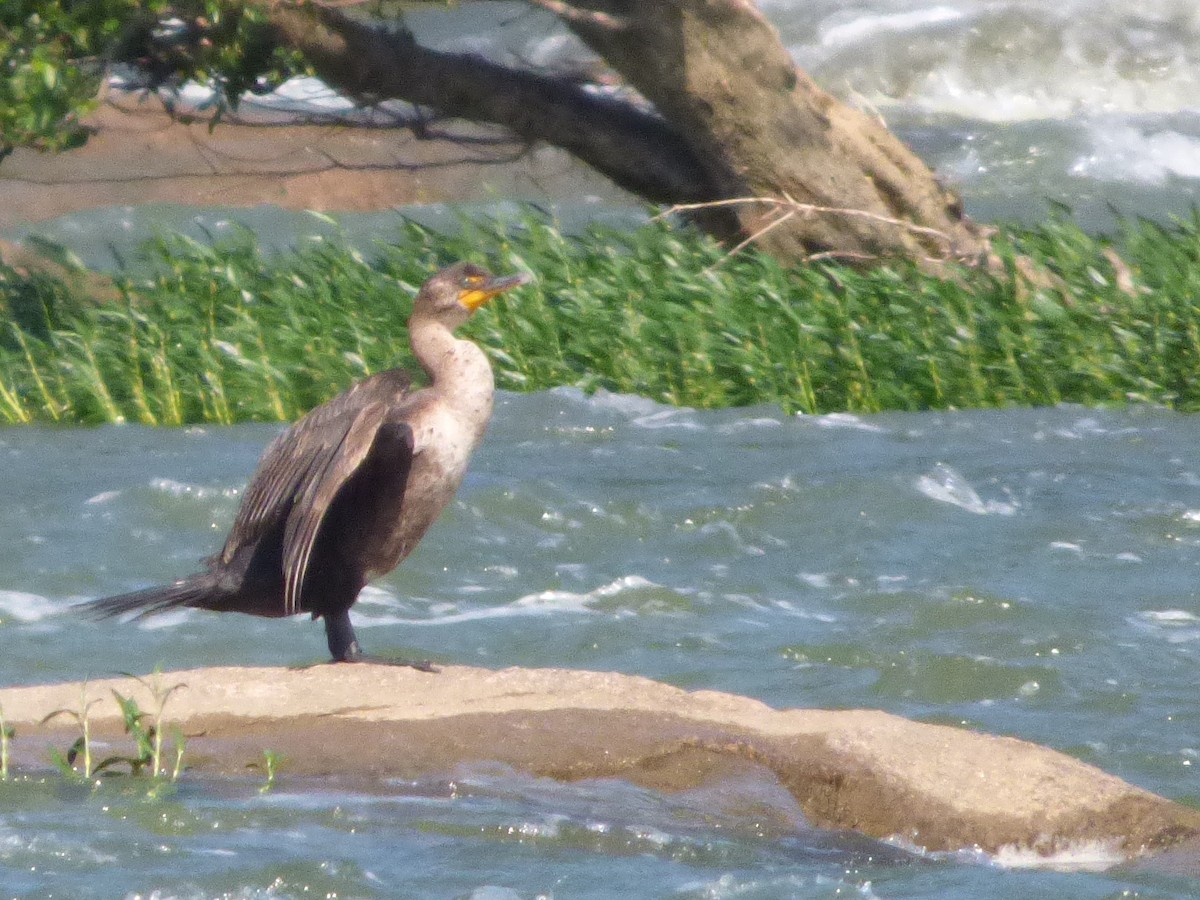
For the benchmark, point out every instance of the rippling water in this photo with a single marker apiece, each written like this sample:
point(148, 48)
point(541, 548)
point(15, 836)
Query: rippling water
point(1025, 572)
point(1093, 103)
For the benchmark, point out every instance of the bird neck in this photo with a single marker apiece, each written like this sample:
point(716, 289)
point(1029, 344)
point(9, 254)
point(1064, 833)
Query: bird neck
point(458, 370)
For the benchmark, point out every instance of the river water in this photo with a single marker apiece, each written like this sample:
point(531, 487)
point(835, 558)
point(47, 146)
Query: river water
point(1023, 572)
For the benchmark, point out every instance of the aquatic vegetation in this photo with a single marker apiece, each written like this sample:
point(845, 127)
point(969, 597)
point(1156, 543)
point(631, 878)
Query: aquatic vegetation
point(6, 734)
point(148, 738)
point(271, 763)
point(82, 744)
point(225, 332)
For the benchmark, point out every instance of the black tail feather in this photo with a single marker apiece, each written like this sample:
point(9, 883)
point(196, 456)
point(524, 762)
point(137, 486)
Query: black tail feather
point(196, 590)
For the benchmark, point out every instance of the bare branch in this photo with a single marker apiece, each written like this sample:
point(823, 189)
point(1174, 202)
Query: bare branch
point(634, 147)
point(795, 206)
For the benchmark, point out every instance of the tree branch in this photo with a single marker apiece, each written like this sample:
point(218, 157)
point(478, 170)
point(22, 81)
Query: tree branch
point(635, 148)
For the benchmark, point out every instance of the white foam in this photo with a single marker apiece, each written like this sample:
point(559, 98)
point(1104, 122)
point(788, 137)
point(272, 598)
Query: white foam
point(26, 607)
point(1174, 626)
point(1123, 153)
point(947, 485)
point(868, 26)
point(1080, 856)
point(748, 425)
point(843, 420)
point(372, 595)
point(1170, 616)
point(164, 621)
point(1006, 60)
point(542, 603)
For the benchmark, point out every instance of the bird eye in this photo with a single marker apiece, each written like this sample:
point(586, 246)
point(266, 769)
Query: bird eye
point(473, 280)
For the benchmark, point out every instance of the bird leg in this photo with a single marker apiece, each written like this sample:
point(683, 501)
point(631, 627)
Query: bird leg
point(344, 647)
point(343, 644)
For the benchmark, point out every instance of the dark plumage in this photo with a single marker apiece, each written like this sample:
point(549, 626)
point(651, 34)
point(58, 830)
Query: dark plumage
point(345, 493)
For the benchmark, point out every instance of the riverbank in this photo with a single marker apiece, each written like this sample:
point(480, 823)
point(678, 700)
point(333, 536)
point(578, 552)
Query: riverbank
point(138, 154)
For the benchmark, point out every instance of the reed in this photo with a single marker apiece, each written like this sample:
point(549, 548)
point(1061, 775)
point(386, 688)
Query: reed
point(6, 734)
point(225, 333)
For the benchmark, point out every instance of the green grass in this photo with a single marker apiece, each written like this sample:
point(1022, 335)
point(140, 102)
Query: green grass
point(229, 333)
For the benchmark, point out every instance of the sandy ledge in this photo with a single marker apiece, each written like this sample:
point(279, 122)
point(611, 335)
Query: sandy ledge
point(934, 786)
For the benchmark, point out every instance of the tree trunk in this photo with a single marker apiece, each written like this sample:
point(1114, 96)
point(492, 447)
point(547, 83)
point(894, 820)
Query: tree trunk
point(718, 72)
point(734, 123)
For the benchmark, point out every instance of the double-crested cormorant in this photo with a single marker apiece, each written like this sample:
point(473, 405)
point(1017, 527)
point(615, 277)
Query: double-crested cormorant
point(345, 493)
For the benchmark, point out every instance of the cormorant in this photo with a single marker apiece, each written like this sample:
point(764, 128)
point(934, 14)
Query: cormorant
point(344, 494)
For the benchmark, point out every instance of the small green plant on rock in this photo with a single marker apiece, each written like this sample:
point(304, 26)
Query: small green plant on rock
point(6, 735)
point(83, 743)
point(149, 738)
point(271, 762)
point(147, 735)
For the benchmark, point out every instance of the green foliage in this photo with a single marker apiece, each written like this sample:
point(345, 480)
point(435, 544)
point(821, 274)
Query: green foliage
point(227, 333)
point(56, 55)
point(145, 728)
point(271, 763)
point(82, 745)
point(6, 734)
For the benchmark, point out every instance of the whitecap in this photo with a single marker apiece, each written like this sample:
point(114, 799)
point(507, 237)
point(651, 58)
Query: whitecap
point(164, 620)
point(1125, 153)
point(946, 485)
point(1077, 856)
point(864, 27)
point(538, 604)
point(669, 418)
point(751, 424)
point(1175, 626)
point(1170, 616)
point(372, 595)
point(843, 420)
point(1066, 545)
point(26, 607)
point(819, 580)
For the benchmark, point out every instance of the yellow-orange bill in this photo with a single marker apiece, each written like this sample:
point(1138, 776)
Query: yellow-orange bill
point(475, 297)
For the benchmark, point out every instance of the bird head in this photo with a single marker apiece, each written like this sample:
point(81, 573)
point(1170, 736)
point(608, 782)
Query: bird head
point(456, 291)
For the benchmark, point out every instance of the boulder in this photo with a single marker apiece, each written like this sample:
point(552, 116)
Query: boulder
point(931, 786)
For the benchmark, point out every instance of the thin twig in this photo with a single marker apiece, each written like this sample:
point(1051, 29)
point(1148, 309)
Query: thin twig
point(793, 206)
point(796, 206)
point(751, 239)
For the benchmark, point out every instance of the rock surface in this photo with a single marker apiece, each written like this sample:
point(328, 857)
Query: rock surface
point(932, 786)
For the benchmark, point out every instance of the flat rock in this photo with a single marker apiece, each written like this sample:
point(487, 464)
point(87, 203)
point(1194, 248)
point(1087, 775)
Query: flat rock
point(932, 786)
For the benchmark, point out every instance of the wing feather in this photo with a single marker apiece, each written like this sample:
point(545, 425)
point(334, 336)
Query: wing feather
point(297, 457)
point(304, 520)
